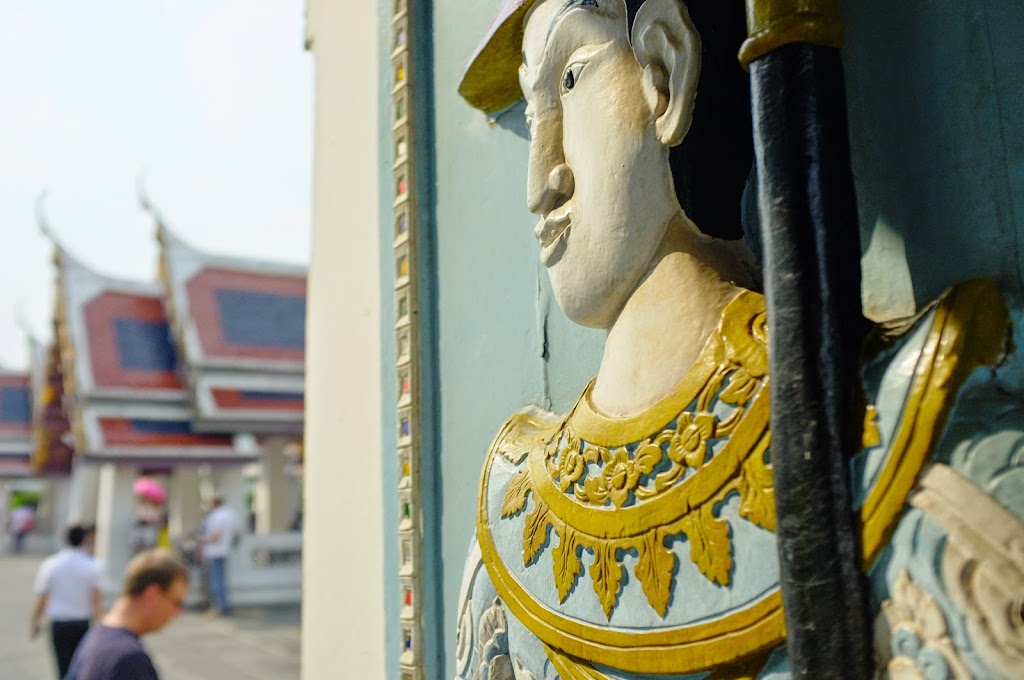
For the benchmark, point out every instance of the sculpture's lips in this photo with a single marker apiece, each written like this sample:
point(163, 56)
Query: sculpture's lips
point(551, 232)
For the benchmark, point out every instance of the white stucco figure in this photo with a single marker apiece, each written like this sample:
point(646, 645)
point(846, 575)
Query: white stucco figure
point(634, 536)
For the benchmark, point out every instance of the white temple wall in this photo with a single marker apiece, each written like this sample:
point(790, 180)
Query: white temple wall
point(343, 576)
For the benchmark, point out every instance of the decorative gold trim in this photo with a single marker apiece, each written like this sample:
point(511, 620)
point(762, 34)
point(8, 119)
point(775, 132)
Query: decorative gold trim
point(570, 668)
point(774, 23)
point(731, 367)
point(596, 428)
point(970, 329)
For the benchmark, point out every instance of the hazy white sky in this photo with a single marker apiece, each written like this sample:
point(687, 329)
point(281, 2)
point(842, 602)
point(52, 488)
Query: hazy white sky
point(212, 97)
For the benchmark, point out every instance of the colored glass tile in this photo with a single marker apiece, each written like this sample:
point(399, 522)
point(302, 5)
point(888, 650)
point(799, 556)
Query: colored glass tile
point(406, 469)
point(401, 148)
point(403, 267)
point(403, 307)
point(400, 108)
point(408, 598)
point(405, 386)
point(408, 641)
point(400, 37)
point(405, 510)
point(402, 223)
point(405, 427)
point(400, 74)
point(400, 188)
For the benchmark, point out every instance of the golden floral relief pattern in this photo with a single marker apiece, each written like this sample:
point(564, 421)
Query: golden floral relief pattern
point(662, 486)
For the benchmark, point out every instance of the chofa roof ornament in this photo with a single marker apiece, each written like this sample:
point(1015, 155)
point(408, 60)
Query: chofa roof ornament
point(490, 82)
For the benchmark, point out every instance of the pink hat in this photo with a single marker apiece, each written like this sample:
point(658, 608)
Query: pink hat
point(149, 489)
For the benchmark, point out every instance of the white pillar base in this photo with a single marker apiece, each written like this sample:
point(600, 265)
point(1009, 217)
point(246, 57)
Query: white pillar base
point(114, 518)
point(273, 497)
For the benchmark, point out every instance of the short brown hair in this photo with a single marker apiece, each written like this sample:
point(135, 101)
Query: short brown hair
point(153, 566)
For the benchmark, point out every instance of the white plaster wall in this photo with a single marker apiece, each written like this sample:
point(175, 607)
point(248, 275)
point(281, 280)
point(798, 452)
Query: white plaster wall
point(343, 574)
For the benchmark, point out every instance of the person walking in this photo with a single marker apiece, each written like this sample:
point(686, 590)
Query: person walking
point(69, 593)
point(220, 530)
point(155, 586)
point(20, 523)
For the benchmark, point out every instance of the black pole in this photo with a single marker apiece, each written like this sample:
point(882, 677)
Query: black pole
point(812, 284)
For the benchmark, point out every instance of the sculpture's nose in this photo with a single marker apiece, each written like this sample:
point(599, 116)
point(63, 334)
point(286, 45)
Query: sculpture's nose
point(550, 182)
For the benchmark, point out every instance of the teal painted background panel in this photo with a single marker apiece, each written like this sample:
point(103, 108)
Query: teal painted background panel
point(936, 101)
point(496, 318)
point(937, 132)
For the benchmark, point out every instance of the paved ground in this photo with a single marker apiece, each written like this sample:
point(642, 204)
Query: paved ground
point(254, 644)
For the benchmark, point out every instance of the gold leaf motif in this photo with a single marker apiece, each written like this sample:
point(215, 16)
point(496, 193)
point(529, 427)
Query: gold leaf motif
point(746, 343)
point(570, 468)
point(620, 476)
point(647, 457)
point(740, 389)
point(710, 549)
point(689, 443)
point(872, 437)
point(606, 573)
point(757, 492)
point(654, 570)
point(515, 493)
point(566, 564)
point(523, 432)
point(535, 532)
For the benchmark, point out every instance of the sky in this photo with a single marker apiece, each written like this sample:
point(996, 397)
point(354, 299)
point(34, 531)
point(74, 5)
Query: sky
point(209, 102)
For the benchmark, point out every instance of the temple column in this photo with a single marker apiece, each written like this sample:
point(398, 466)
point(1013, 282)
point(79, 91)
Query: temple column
point(83, 493)
point(58, 492)
point(5, 503)
point(114, 518)
point(184, 504)
point(274, 497)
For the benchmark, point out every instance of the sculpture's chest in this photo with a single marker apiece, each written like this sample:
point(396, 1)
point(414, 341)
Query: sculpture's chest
point(648, 544)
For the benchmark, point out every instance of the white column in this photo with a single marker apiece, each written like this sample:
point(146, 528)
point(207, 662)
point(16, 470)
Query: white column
point(5, 501)
point(114, 518)
point(83, 493)
point(273, 497)
point(59, 493)
point(343, 395)
point(184, 503)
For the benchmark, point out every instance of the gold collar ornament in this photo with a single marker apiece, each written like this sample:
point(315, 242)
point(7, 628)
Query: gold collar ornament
point(613, 485)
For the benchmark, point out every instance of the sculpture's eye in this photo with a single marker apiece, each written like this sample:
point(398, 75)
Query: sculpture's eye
point(571, 76)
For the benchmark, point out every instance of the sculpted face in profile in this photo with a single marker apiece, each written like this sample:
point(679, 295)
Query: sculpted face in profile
point(603, 110)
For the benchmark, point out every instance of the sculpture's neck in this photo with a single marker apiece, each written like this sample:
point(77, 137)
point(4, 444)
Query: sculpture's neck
point(663, 326)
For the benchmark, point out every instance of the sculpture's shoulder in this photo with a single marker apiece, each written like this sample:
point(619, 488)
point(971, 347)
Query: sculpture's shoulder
point(948, 576)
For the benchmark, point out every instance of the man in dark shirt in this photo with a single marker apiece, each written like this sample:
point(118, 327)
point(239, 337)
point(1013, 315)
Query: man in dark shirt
point(155, 584)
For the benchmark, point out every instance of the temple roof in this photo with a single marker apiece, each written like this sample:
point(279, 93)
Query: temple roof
point(15, 424)
point(122, 371)
point(240, 327)
point(15, 412)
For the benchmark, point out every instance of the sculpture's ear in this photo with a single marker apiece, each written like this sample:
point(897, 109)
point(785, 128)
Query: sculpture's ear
point(668, 48)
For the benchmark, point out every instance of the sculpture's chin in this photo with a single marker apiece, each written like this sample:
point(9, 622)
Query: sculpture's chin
point(585, 305)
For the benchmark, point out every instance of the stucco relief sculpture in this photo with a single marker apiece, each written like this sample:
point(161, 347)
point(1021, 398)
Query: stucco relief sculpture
point(634, 536)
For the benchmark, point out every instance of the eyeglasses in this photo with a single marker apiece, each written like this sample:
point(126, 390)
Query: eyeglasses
point(178, 603)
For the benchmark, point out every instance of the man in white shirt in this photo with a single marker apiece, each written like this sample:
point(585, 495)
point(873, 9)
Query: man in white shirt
point(69, 591)
point(220, 530)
